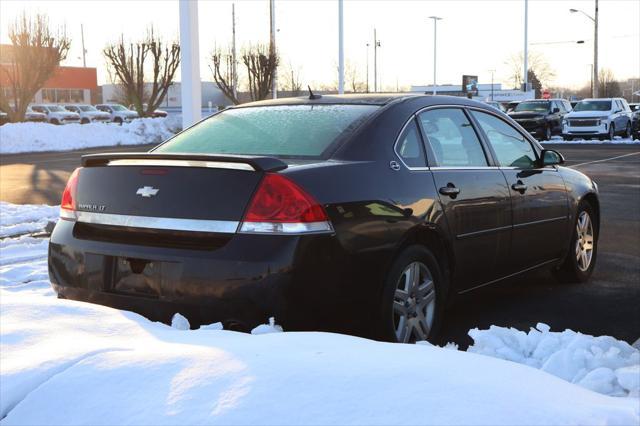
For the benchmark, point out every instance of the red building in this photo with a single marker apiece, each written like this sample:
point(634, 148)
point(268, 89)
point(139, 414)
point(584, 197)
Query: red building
point(67, 85)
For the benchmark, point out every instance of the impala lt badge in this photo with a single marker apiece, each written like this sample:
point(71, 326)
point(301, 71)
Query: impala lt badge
point(147, 191)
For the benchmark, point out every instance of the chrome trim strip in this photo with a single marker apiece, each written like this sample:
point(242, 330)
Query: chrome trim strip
point(538, 222)
point(483, 232)
point(465, 168)
point(149, 222)
point(539, 265)
point(182, 163)
point(272, 228)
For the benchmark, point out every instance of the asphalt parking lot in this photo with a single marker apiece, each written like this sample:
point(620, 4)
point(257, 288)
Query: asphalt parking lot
point(607, 305)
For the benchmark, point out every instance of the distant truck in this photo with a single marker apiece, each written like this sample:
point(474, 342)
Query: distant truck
point(56, 114)
point(118, 113)
point(88, 113)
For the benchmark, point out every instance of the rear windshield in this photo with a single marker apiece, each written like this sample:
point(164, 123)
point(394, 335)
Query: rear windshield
point(280, 131)
point(533, 106)
point(593, 106)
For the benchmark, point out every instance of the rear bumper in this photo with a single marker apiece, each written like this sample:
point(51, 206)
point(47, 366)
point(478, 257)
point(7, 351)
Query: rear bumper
point(245, 280)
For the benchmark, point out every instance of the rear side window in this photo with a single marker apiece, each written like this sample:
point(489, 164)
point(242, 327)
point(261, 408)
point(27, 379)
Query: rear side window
point(280, 131)
point(510, 146)
point(410, 148)
point(452, 139)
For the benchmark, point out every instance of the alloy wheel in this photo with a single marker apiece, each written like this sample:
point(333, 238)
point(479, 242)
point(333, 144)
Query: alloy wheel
point(547, 133)
point(414, 303)
point(584, 241)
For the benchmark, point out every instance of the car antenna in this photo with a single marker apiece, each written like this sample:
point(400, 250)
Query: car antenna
point(312, 95)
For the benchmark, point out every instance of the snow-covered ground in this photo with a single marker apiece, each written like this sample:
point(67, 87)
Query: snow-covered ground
point(616, 140)
point(66, 362)
point(35, 137)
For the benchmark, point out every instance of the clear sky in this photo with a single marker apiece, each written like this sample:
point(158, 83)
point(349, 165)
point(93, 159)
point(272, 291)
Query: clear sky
point(474, 36)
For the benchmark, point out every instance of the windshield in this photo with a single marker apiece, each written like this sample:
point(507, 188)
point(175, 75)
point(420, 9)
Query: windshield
point(280, 131)
point(87, 108)
point(593, 106)
point(118, 108)
point(533, 106)
point(55, 108)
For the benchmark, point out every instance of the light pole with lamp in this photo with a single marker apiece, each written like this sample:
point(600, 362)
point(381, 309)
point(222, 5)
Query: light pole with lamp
point(595, 45)
point(367, 67)
point(435, 38)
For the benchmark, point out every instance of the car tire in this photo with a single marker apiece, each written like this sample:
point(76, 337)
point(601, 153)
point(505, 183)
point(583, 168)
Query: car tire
point(612, 131)
point(55, 122)
point(84, 121)
point(568, 138)
point(413, 297)
point(118, 121)
point(627, 131)
point(579, 263)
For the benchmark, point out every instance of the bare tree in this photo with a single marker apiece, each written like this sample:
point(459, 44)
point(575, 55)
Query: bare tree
point(353, 78)
point(35, 51)
point(261, 62)
point(223, 73)
point(536, 63)
point(609, 87)
point(292, 82)
point(135, 65)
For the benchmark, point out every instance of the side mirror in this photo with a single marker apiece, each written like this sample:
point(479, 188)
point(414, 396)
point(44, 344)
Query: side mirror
point(551, 158)
point(556, 110)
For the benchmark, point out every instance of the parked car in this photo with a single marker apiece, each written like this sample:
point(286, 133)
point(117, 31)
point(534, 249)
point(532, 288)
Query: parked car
point(363, 214)
point(4, 117)
point(89, 113)
point(158, 113)
point(542, 118)
point(496, 105)
point(56, 114)
point(510, 106)
point(598, 118)
point(118, 113)
point(33, 116)
point(635, 120)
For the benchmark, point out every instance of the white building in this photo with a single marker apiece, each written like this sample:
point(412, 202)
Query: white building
point(484, 92)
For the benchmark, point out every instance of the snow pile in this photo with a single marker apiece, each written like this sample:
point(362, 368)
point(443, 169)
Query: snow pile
point(616, 140)
point(272, 327)
point(33, 137)
point(66, 362)
point(602, 364)
point(22, 219)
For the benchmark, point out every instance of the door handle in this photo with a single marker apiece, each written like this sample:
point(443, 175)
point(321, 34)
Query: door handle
point(519, 186)
point(450, 190)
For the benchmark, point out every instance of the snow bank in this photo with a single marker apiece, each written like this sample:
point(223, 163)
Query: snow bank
point(33, 137)
point(21, 219)
point(602, 364)
point(616, 140)
point(66, 362)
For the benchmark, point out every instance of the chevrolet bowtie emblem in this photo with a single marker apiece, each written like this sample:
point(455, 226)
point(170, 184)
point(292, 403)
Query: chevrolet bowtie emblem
point(147, 191)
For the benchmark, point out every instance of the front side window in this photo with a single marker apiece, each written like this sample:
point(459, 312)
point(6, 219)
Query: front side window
point(511, 147)
point(409, 146)
point(452, 139)
point(295, 131)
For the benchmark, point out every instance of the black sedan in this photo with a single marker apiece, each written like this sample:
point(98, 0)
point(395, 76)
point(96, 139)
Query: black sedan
point(359, 214)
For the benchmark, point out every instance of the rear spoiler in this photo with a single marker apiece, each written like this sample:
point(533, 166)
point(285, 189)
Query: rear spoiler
point(257, 163)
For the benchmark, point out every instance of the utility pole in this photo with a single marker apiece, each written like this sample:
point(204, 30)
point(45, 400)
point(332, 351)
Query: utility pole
point(367, 67)
point(191, 89)
point(594, 19)
point(340, 48)
point(435, 39)
point(234, 70)
point(274, 79)
point(526, 46)
point(84, 51)
point(376, 44)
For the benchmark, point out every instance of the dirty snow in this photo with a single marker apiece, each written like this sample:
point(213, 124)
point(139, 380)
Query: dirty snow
point(65, 362)
point(34, 137)
point(22, 219)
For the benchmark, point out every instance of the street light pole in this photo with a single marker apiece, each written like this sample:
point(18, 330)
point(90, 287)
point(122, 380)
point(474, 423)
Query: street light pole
point(595, 46)
point(274, 77)
point(376, 44)
point(492, 72)
point(340, 48)
point(435, 39)
point(367, 67)
point(526, 46)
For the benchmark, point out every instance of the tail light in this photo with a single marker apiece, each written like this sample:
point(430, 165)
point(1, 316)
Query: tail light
point(279, 206)
point(68, 203)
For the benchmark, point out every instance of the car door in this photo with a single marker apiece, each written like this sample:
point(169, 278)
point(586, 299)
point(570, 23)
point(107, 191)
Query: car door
point(538, 195)
point(474, 196)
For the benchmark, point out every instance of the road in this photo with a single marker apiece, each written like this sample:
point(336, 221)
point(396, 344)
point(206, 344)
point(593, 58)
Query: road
point(606, 305)
point(39, 178)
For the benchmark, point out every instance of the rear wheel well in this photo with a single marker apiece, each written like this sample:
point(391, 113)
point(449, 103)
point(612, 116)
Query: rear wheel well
point(430, 239)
